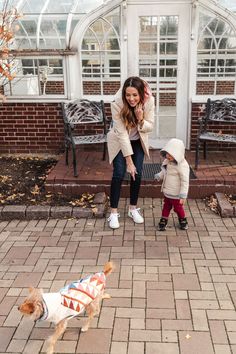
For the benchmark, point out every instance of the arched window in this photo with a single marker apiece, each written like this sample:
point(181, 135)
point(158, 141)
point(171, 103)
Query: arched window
point(216, 56)
point(100, 56)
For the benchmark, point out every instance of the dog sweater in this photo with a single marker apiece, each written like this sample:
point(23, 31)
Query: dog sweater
point(79, 294)
point(71, 300)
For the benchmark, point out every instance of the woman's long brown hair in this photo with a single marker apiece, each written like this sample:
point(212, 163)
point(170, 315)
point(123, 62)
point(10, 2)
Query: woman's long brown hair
point(127, 112)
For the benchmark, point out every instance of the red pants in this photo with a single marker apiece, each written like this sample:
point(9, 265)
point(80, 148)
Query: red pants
point(172, 203)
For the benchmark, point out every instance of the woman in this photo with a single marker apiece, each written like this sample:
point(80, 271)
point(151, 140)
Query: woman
point(133, 118)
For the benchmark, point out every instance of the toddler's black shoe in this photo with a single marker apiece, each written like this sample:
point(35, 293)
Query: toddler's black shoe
point(183, 224)
point(162, 224)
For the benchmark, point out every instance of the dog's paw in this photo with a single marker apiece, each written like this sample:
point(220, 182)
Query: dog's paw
point(50, 351)
point(84, 329)
point(106, 296)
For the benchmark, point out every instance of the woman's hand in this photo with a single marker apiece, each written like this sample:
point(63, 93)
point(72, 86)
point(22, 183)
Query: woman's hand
point(132, 170)
point(182, 201)
point(139, 112)
point(131, 167)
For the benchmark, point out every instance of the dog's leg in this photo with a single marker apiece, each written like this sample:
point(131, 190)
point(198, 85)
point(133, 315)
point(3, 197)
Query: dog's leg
point(91, 310)
point(59, 330)
point(106, 296)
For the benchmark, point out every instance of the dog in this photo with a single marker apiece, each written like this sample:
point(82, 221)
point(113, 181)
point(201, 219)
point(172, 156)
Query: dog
point(82, 295)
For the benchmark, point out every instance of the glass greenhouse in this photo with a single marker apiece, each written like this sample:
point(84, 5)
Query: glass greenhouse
point(67, 49)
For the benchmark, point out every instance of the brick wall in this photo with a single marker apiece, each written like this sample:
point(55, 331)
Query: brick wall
point(54, 87)
point(197, 112)
point(31, 127)
point(38, 128)
point(167, 99)
point(222, 87)
point(35, 128)
point(94, 87)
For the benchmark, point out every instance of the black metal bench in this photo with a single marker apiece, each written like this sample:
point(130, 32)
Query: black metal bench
point(221, 111)
point(83, 112)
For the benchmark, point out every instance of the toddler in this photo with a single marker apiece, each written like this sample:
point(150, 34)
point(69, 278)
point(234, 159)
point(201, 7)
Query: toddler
point(175, 176)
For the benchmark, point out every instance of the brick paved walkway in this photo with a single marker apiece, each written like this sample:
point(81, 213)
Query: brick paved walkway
point(172, 292)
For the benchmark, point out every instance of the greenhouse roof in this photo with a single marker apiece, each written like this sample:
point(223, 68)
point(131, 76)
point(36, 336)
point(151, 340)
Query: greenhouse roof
point(49, 24)
point(228, 4)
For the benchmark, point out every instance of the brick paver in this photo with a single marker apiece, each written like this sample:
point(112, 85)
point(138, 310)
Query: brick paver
point(172, 292)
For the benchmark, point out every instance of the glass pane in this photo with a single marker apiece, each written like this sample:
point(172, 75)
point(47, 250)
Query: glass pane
point(217, 41)
point(159, 70)
point(110, 40)
point(148, 27)
point(114, 19)
point(90, 41)
point(168, 48)
point(91, 64)
point(27, 27)
point(229, 4)
point(87, 5)
point(101, 56)
point(52, 33)
point(149, 49)
point(38, 77)
point(59, 6)
point(32, 6)
point(168, 25)
point(25, 37)
point(100, 27)
point(74, 22)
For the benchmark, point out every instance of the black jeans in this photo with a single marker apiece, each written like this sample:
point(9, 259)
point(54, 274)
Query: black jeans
point(119, 169)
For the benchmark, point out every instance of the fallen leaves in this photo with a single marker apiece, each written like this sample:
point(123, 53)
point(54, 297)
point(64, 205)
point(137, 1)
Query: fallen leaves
point(231, 198)
point(212, 203)
point(35, 190)
point(23, 180)
point(23, 183)
point(85, 200)
point(5, 179)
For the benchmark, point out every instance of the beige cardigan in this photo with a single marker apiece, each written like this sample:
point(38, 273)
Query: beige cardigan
point(118, 136)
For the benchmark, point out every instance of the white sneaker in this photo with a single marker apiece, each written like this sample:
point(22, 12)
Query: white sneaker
point(136, 216)
point(113, 221)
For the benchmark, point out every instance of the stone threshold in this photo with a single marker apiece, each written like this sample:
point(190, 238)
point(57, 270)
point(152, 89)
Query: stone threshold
point(226, 209)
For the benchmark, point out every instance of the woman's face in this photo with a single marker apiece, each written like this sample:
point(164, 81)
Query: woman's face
point(132, 96)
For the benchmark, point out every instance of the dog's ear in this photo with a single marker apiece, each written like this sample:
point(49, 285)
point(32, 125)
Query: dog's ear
point(31, 308)
point(31, 289)
point(27, 308)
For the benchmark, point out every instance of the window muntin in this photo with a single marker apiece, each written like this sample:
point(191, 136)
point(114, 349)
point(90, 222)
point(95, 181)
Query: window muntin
point(37, 77)
point(158, 48)
point(158, 60)
point(216, 56)
point(100, 55)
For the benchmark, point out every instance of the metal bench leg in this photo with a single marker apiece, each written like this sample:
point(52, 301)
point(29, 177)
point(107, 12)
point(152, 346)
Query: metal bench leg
point(104, 151)
point(74, 160)
point(67, 153)
point(205, 150)
point(197, 154)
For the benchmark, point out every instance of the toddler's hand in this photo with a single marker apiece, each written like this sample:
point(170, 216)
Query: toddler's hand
point(182, 201)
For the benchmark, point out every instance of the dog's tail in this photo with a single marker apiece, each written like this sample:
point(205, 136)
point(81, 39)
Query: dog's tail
point(108, 268)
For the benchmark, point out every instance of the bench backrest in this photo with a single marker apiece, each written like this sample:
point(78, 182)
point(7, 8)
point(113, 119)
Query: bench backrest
point(83, 112)
point(221, 110)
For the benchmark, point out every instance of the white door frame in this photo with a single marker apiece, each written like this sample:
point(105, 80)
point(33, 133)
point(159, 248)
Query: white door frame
point(183, 11)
